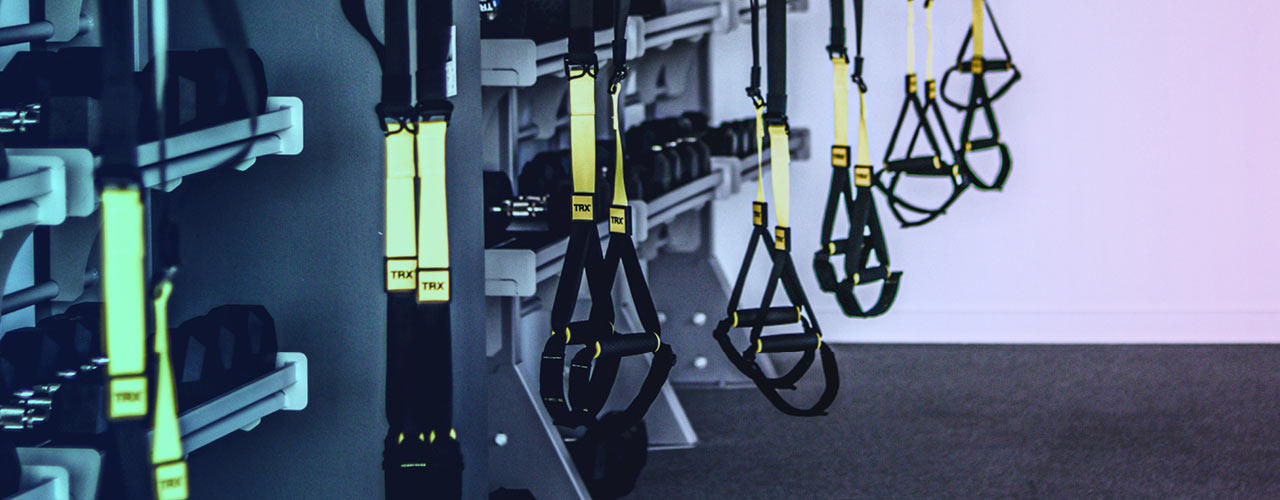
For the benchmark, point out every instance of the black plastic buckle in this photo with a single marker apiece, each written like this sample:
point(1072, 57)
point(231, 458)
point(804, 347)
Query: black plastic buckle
point(857, 74)
point(588, 65)
point(619, 74)
point(439, 109)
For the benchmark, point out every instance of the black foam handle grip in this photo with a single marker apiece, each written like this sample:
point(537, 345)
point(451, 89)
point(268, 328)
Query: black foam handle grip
point(920, 165)
point(772, 316)
point(630, 344)
point(988, 65)
point(790, 342)
point(587, 331)
point(982, 144)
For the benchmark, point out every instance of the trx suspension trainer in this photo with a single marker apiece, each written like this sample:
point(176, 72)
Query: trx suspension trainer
point(594, 368)
point(980, 98)
point(421, 451)
point(809, 342)
point(866, 236)
point(932, 164)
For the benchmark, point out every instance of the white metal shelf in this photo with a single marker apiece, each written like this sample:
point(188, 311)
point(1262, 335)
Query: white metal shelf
point(48, 184)
point(65, 473)
point(516, 272)
point(519, 63)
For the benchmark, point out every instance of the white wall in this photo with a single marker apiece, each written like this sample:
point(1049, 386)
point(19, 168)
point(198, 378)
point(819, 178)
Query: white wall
point(1139, 208)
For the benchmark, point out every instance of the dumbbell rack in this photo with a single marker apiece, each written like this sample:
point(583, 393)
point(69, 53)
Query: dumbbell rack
point(65, 473)
point(55, 187)
point(668, 59)
point(48, 185)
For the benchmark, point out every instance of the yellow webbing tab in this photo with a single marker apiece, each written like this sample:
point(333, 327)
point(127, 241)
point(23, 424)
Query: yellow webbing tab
point(433, 285)
point(582, 133)
point(401, 275)
point(928, 28)
point(862, 176)
point(619, 183)
point(128, 397)
point(171, 481)
point(583, 207)
point(840, 85)
point(977, 37)
point(124, 310)
point(757, 213)
point(400, 235)
point(911, 37)
point(759, 154)
point(780, 159)
point(433, 214)
point(617, 220)
point(780, 238)
point(166, 441)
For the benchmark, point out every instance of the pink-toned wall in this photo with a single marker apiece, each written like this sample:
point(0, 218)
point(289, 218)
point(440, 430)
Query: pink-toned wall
point(1143, 202)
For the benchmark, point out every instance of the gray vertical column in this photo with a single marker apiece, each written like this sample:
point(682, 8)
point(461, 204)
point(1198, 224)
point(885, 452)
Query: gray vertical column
point(466, 238)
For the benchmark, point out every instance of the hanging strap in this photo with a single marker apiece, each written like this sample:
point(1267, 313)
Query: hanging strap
point(981, 98)
point(808, 342)
point(979, 64)
point(123, 253)
point(931, 163)
point(583, 254)
point(166, 444)
point(865, 236)
point(421, 450)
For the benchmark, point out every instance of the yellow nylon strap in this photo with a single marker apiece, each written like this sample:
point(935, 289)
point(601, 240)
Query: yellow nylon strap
point(840, 84)
point(166, 441)
point(760, 154)
point(123, 310)
point(400, 234)
point(928, 28)
point(911, 37)
point(780, 159)
point(433, 214)
point(864, 148)
point(582, 141)
point(619, 185)
point(977, 36)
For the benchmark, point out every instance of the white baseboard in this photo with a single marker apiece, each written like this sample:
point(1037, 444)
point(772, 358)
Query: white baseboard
point(1048, 327)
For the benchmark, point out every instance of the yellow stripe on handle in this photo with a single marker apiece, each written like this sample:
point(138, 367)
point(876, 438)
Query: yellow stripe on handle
point(123, 310)
point(780, 159)
point(433, 214)
point(760, 154)
point(977, 36)
point(928, 28)
point(619, 185)
point(911, 37)
point(840, 84)
point(864, 147)
point(582, 132)
point(166, 441)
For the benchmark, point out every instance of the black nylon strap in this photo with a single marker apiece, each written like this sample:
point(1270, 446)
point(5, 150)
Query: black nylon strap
point(776, 12)
point(753, 89)
point(865, 236)
point(932, 164)
point(582, 35)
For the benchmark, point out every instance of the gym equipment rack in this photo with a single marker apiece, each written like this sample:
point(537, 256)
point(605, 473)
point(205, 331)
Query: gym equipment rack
point(668, 59)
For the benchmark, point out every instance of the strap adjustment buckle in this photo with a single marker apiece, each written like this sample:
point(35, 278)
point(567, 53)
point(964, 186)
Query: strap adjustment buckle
point(857, 74)
point(619, 74)
point(586, 66)
point(433, 110)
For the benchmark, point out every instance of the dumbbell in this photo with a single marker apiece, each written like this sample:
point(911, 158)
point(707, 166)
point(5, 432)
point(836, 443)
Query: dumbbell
point(502, 208)
point(219, 351)
point(606, 151)
point(27, 357)
point(254, 346)
point(67, 87)
point(547, 175)
point(652, 136)
point(202, 90)
point(609, 462)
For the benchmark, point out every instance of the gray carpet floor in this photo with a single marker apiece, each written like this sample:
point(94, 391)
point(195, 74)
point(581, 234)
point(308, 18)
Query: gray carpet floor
point(973, 421)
